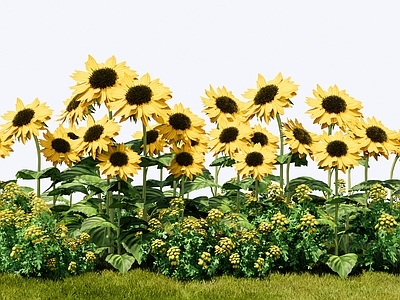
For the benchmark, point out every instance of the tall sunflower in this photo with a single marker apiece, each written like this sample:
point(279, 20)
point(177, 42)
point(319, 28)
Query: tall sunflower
point(140, 99)
point(96, 137)
point(230, 138)
point(300, 140)
point(26, 120)
point(333, 107)
point(255, 161)
point(59, 147)
point(98, 81)
point(5, 147)
point(181, 124)
point(186, 162)
point(155, 144)
point(75, 110)
point(119, 161)
point(265, 138)
point(374, 138)
point(270, 97)
point(222, 107)
point(337, 150)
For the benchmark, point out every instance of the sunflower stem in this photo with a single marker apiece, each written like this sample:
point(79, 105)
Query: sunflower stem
point(255, 189)
point(281, 150)
point(183, 194)
point(391, 177)
point(145, 216)
point(39, 165)
point(119, 220)
point(217, 169)
point(288, 176)
point(336, 212)
point(237, 196)
point(366, 168)
point(348, 185)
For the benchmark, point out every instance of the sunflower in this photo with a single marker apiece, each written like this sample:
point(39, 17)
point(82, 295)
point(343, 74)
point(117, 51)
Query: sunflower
point(264, 138)
point(96, 136)
point(222, 106)
point(374, 138)
point(256, 161)
point(119, 161)
point(140, 99)
point(26, 120)
point(5, 147)
point(181, 124)
point(186, 162)
point(155, 143)
point(337, 150)
point(230, 138)
point(59, 147)
point(300, 140)
point(75, 110)
point(333, 107)
point(269, 98)
point(98, 81)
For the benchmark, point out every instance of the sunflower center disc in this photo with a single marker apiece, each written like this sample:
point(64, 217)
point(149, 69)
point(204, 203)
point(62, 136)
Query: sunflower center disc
point(152, 136)
point(103, 78)
point(254, 159)
point(93, 133)
point(138, 95)
point(184, 159)
point(334, 104)
point(180, 121)
point(337, 149)
point(60, 145)
point(260, 137)
point(118, 159)
point(23, 117)
point(376, 134)
point(228, 135)
point(266, 94)
point(302, 136)
point(72, 136)
point(226, 105)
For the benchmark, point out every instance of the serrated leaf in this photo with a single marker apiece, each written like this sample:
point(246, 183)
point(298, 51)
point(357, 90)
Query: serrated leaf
point(244, 184)
point(224, 161)
point(342, 264)
point(84, 208)
point(96, 221)
point(68, 188)
point(121, 262)
point(200, 182)
point(53, 173)
point(133, 243)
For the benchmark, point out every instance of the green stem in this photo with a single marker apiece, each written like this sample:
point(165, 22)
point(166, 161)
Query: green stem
point(391, 176)
point(145, 216)
point(288, 176)
point(281, 149)
point(119, 220)
point(39, 165)
point(336, 212)
point(238, 195)
point(217, 169)
point(366, 168)
point(183, 194)
point(256, 181)
point(175, 184)
point(161, 179)
point(348, 185)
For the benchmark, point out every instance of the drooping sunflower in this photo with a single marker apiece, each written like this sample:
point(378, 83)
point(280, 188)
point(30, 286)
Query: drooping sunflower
point(333, 107)
point(222, 106)
point(230, 138)
point(119, 161)
point(59, 147)
point(181, 124)
point(186, 162)
point(255, 161)
point(375, 139)
point(155, 144)
point(96, 136)
point(337, 150)
point(140, 99)
point(74, 111)
point(5, 147)
point(98, 81)
point(269, 98)
point(26, 120)
point(265, 138)
point(299, 139)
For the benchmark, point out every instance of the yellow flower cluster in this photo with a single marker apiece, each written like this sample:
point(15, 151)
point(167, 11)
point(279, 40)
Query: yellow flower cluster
point(265, 227)
point(73, 244)
point(52, 263)
point(139, 213)
point(250, 198)
point(259, 263)
point(157, 246)
point(308, 221)
point(214, 216)
point(386, 222)
point(173, 254)
point(279, 220)
point(275, 192)
point(72, 267)
point(177, 203)
point(154, 224)
point(302, 192)
point(15, 251)
point(377, 192)
point(204, 260)
point(274, 252)
point(225, 246)
point(17, 218)
point(249, 236)
point(6, 217)
point(35, 234)
point(341, 184)
point(234, 258)
point(39, 206)
point(90, 256)
point(61, 230)
point(190, 224)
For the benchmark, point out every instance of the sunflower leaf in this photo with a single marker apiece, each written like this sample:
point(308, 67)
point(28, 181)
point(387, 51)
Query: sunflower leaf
point(224, 161)
point(120, 262)
point(342, 264)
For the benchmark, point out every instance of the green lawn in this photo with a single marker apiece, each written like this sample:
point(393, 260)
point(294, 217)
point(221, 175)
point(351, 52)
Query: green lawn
point(139, 284)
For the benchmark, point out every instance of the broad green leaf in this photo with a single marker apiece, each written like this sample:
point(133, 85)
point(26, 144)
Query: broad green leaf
point(121, 262)
point(68, 188)
point(224, 161)
point(133, 243)
point(84, 208)
point(96, 221)
point(283, 159)
point(366, 185)
point(53, 173)
point(200, 182)
point(234, 184)
point(315, 185)
point(95, 181)
point(342, 264)
point(298, 162)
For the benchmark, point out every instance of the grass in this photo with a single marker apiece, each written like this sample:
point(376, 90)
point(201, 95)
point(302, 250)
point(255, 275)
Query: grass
point(140, 284)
